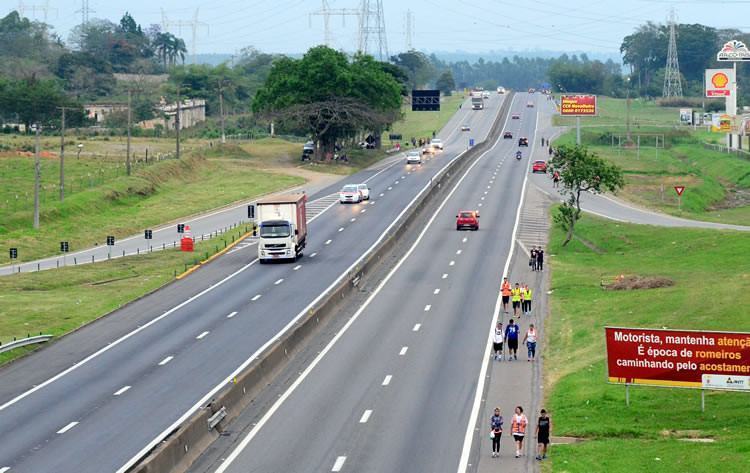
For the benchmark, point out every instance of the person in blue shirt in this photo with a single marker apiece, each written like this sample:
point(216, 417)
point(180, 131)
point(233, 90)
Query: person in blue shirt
point(496, 431)
point(511, 337)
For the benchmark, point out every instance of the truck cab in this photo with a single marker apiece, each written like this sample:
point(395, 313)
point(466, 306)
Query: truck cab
point(282, 227)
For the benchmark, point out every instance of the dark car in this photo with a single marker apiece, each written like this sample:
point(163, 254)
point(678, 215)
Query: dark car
point(515, 116)
point(467, 219)
point(507, 135)
point(523, 141)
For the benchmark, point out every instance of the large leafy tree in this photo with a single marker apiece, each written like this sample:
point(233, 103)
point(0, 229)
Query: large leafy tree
point(445, 83)
point(581, 171)
point(329, 96)
point(32, 100)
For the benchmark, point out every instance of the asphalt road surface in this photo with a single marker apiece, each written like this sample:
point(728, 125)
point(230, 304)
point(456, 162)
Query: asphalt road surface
point(396, 388)
point(96, 400)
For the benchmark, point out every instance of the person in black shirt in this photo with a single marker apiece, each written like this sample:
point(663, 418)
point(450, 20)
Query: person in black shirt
point(539, 259)
point(532, 260)
point(543, 431)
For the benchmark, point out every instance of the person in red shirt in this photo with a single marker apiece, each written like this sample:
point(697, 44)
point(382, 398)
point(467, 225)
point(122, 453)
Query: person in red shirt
point(505, 290)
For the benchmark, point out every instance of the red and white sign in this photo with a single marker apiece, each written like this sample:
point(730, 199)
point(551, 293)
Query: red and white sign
point(719, 82)
point(679, 190)
point(734, 51)
point(578, 105)
point(680, 358)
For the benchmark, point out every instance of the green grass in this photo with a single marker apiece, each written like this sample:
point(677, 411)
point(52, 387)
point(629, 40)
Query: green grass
point(718, 184)
point(126, 205)
point(56, 302)
point(710, 292)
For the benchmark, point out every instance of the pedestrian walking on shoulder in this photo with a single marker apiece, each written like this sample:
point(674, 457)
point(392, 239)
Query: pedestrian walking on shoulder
point(530, 340)
point(526, 299)
point(540, 259)
point(497, 342)
point(532, 259)
point(496, 432)
point(543, 432)
point(511, 337)
point(519, 422)
point(505, 290)
point(550, 150)
point(515, 297)
point(556, 179)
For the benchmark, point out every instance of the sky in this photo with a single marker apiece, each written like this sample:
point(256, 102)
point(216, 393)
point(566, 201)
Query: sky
point(290, 26)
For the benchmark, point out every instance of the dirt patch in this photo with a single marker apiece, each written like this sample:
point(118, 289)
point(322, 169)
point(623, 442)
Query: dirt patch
point(735, 197)
point(628, 283)
point(590, 245)
point(687, 436)
point(566, 440)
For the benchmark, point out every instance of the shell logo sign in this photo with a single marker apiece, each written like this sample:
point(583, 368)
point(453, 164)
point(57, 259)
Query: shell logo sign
point(719, 82)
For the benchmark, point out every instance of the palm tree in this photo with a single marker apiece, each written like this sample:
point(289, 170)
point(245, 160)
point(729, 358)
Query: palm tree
point(162, 45)
point(179, 49)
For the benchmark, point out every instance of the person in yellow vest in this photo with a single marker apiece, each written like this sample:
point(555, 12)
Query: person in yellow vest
point(515, 298)
point(526, 299)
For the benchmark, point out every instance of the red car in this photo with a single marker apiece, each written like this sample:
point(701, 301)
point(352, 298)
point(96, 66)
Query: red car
point(539, 166)
point(467, 219)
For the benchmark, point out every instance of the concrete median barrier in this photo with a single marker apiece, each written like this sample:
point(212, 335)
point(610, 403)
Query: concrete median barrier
point(178, 451)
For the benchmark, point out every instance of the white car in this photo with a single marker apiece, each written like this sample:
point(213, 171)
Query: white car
point(364, 190)
point(465, 128)
point(413, 157)
point(436, 143)
point(350, 194)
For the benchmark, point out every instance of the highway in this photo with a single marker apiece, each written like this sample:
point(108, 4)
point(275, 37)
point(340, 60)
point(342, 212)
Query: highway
point(97, 400)
point(395, 389)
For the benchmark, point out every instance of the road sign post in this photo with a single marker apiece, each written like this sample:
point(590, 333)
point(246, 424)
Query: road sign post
point(578, 106)
point(110, 244)
point(180, 228)
point(64, 249)
point(148, 234)
point(679, 190)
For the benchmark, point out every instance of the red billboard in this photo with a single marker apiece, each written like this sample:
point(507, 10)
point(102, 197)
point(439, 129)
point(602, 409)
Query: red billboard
point(679, 358)
point(578, 105)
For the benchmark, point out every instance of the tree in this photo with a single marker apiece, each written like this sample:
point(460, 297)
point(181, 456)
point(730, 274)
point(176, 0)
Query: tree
point(445, 83)
point(581, 171)
point(329, 96)
point(417, 66)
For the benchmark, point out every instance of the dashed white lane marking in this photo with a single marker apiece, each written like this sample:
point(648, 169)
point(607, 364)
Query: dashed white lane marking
point(339, 464)
point(166, 360)
point(231, 314)
point(354, 219)
point(4, 469)
point(480, 204)
point(485, 192)
point(436, 291)
point(256, 297)
point(445, 275)
point(313, 255)
point(416, 327)
point(451, 263)
point(67, 427)
point(397, 182)
point(296, 268)
point(278, 281)
point(363, 211)
point(427, 308)
point(372, 202)
point(465, 239)
point(489, 187)
point(365, 416)
point(118, 392)
point(403, 177)
point(403, 351)
point(387, 379)
point(389, 188)
point(341, 229)
point(483, 197)
point(458, 252)
point(328, 242)
point(202, 336)
point(382, 194)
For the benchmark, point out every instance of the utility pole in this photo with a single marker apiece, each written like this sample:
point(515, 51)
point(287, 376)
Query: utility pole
point(221, 112)
point(62, 152)
point(37, 176)
point(127, 149)
point(409, 20)
point(177, 122)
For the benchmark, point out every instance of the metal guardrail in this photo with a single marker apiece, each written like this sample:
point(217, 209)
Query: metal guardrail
point(740, 153)
point(24, 342)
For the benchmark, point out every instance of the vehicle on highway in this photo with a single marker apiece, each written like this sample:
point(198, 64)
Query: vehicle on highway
point(519, 155)
point(477, 103)
point(414, 157)
point(529, 104)
point(467, 219)
point(350, 194)
point(507, 135)
point(539, 166)
point(531, 91)
point(437, 144)
point(501, 90)
point(465, 128)
point(282, 222)
point(485, 94)
point(515, 116)
point(523, 141)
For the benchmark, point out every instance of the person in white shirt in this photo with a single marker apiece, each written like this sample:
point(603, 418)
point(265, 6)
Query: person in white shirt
point(497, 342)
point(530, 340)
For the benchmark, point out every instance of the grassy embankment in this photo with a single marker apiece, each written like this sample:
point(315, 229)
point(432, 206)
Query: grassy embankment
point(110, 203)
point(58, 301)
point(711, 291)
point(718, 184)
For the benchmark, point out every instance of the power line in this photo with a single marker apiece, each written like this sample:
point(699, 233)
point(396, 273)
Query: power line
point(193, 24)
point(85, 11)
point(372, 36)
point(327, 12)
point(672, 82)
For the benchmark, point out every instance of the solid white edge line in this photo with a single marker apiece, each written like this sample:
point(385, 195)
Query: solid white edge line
point(4, 469)
point(263, 420)
point(339, 464)
point(365, 416)
point(67, 427)
point(469, 437)
point(121, 390)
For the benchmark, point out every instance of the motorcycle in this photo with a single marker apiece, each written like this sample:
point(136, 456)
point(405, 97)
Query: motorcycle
point(518, 155)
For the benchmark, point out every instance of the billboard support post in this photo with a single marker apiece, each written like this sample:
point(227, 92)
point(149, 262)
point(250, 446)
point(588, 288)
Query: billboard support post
point(703, 400)
point(578, 130)
point(627, 394)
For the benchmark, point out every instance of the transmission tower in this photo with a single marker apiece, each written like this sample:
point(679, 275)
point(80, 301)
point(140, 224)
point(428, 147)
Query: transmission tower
point(672, 82)
point(43, 8)
point(193, 25)
point(409, 30)
point(85, 11)
point(327, 12)
point(372, 37)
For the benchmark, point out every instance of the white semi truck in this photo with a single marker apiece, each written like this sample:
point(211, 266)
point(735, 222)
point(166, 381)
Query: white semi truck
point(282, 225)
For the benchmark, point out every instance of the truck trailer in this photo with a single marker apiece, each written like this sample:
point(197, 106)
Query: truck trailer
point(282, 225)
